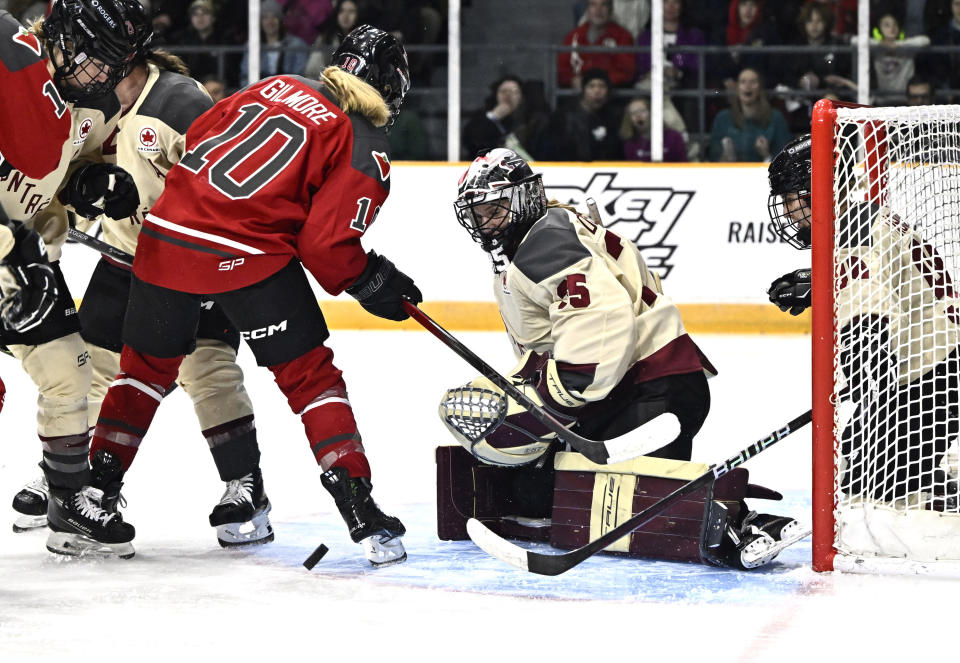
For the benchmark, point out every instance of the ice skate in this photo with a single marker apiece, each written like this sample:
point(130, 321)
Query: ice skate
point(31, 505)
point(107, 475)
point(242, 515)
point(81, 527)
point(774, 534)
point(378, 533)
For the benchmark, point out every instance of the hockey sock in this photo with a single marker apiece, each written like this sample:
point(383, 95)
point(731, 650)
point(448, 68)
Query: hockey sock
point(65, 460)
point(315, 390)
point(234, 448)
point(131, 402)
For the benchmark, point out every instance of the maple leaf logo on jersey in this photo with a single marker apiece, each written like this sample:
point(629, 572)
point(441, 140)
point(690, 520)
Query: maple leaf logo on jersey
point(27, 39)
point(148, 137)
point(84, 130)
point(383, 164)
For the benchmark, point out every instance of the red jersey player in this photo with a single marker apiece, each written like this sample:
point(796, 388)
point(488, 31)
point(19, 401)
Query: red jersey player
point(288, 171)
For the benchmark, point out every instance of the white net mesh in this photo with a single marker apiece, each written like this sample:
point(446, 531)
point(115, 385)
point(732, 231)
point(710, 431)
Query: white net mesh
point(897, 331)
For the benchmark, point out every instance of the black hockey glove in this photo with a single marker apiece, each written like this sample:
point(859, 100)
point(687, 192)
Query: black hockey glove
point(32, 298)
point(791, 292)
point(102, 188)
point(381, 289)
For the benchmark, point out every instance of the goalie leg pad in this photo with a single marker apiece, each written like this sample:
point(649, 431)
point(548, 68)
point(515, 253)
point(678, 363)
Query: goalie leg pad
point(514, 502)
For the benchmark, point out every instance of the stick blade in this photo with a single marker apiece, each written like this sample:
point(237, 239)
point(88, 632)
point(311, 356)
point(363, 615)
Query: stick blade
point(497, 547)
point(656, 433)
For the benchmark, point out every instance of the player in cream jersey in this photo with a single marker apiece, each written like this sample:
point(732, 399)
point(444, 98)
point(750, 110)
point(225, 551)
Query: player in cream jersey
point(77, 56)
point(602, 344)
point(898, 320)
point(160, 102)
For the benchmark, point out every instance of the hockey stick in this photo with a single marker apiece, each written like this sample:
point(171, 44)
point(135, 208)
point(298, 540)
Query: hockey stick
point(101, 246)
point(666, 425)
point(552, 565)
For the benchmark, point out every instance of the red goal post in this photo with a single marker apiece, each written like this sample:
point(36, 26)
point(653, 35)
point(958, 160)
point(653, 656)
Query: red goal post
point(886, 332)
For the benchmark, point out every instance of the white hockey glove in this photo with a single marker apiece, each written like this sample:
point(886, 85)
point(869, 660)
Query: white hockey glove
point(498, 430)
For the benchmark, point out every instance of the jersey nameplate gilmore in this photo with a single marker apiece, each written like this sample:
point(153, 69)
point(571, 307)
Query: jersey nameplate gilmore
point(299, 100)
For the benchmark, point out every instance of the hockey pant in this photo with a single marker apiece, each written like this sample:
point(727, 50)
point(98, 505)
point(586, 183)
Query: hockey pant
point(62, 372)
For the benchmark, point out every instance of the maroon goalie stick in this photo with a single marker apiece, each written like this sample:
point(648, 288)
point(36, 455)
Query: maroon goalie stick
point(552, 565)
point(601, 453)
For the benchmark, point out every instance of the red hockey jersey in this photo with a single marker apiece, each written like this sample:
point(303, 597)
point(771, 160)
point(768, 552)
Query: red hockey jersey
point(34, 120)
point(273, 172)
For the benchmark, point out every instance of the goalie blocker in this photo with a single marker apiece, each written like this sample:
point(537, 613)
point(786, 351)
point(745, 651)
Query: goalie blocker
point(576, 501)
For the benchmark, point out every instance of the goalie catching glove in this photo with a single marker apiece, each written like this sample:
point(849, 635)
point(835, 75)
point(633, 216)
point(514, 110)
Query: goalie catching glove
point(495, 428)
point(102, 188)
point(27, 281)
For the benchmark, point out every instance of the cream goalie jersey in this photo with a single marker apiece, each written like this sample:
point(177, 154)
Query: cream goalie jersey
point(581, 293)
point(149, 141)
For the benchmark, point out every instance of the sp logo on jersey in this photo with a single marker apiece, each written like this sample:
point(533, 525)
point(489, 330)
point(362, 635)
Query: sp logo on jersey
point(383, 164)
point(148, 140)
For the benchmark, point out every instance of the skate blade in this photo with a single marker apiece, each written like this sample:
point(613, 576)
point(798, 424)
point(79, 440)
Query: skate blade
point(254, 532)
point(383, 551)
point(25, 523)
point(77, 545)
point(760, 555)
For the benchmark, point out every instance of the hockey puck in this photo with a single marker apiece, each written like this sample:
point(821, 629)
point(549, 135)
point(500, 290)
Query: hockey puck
point(315, 556)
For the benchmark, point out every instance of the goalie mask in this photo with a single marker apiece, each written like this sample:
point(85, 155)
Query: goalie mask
point(499, 198)
point(789, 201)
point(379, 59)
point(97, 43)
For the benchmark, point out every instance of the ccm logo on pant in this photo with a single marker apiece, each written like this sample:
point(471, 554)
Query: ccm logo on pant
point(263, 332)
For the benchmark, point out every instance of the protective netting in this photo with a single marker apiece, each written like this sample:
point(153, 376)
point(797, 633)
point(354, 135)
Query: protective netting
point(897, 332)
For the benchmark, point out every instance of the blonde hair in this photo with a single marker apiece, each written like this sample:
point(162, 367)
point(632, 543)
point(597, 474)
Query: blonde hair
point(356, 95)
point(553, 202)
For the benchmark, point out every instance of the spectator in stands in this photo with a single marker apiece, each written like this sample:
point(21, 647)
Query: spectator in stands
point(919, 92)
point(891, 67)
point(506, 120)
point(680, 69)
point(280, 52)
point(750, 130)
point(347, 15)
point(589, 129)
point(215, 87)
point(813, 71)
point(412, 22)
point(944, 68)
point(747, 26)
point(599, 30)
point(203, 31)
point(710, 17)
point(304, 18)
point(634, 15)
point(635, 134)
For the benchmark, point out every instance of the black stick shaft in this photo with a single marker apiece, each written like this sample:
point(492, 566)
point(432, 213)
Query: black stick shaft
point(101, 246)
point(546, 564)
point(593, 450)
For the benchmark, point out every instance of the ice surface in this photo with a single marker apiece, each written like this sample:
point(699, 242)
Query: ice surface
point(183, 596)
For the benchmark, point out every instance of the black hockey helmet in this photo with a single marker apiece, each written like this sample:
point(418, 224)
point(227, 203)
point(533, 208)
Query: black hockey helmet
point(379, 59)
point(499, 198)
point(98, 40)
point(789, 200)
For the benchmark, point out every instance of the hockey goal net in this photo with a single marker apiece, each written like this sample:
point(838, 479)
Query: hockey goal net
point(886, 329)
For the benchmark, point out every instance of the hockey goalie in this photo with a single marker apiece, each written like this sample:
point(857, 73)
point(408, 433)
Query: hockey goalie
point(604, 351)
